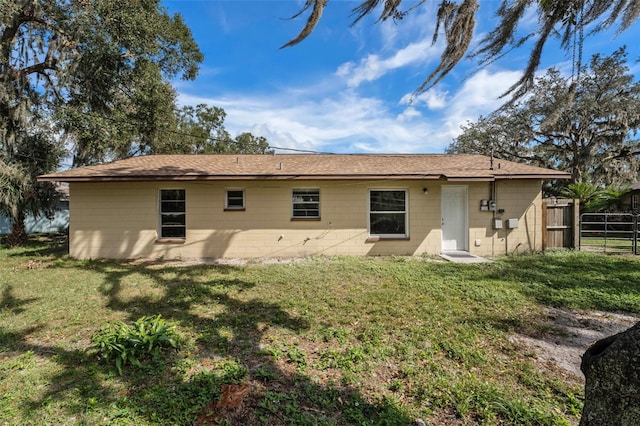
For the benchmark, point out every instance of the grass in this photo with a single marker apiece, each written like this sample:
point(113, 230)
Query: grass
point(622, 244)
point(321, 341)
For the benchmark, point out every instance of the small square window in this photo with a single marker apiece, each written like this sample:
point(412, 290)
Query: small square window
point(305, 203)
point(234, 199)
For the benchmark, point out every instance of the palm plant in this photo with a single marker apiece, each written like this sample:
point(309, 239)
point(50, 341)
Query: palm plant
point(20, 194)
point(613, 199)
point(596, 199)
point(13, 187)
point(588, 194)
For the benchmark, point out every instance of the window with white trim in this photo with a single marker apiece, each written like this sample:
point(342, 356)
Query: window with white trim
point(305, 203)
point(234, 199)
point(388, 217)
point(173, 213)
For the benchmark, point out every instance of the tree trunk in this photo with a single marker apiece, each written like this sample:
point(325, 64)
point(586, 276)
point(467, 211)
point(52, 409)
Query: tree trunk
point(611, 367)
point(18, 235)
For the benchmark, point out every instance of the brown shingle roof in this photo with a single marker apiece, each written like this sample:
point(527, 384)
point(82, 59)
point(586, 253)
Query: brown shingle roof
point(304, 166)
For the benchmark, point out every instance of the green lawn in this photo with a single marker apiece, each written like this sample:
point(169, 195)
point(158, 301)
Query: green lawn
point(608, 245)
point(320, 341)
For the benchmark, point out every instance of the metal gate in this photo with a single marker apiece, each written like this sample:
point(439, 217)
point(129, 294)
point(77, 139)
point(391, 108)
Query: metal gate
point(609, 232)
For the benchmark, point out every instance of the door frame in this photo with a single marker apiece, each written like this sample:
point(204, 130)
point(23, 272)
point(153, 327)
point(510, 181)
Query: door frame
point(465, 219)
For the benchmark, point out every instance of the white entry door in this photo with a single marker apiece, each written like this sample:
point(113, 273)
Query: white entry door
point(455, 228)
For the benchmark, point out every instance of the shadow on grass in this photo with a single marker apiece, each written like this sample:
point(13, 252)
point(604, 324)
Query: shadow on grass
point(38, 245)
point(229, 333)
point(14, 305)
point(156, 393)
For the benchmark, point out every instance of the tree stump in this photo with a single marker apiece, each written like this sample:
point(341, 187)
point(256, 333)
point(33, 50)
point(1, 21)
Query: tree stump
point(611, 367)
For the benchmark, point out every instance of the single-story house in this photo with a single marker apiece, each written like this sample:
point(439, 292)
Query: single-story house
point(59, 222)
point(216, 206)
point(633, 197)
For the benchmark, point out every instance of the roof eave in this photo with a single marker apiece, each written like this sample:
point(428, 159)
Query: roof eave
point(182, 178)
point(187, 178)
point(534, 176)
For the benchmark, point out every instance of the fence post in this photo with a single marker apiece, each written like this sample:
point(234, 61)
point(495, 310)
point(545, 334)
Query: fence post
point(545, 203)
point(576, 224)
point(635, 233)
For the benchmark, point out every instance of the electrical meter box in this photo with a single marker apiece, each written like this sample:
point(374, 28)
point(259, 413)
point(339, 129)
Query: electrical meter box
point(497, 223)
point(512, 223)
point(493, 205)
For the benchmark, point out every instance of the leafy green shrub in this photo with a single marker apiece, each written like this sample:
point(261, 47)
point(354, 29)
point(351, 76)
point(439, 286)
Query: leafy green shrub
point(144, 340)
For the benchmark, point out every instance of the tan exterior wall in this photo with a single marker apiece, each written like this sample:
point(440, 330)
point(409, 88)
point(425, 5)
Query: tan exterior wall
point(120, 220)
point(521, 200)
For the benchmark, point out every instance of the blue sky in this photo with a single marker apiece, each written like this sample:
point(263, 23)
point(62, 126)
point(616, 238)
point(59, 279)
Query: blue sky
point(346, 89)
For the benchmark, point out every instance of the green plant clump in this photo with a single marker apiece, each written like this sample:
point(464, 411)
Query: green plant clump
point(146, 339)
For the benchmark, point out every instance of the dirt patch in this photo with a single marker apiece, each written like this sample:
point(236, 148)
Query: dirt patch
point(224, 261)
point(569, 334)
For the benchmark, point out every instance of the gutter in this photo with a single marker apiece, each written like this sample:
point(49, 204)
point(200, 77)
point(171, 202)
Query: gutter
point(191, 178)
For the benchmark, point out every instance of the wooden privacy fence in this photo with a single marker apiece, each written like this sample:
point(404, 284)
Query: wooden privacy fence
point(561, 221)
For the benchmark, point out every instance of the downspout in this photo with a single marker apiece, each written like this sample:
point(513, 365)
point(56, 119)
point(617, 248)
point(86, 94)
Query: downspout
point(492, 196)
point(535, 226)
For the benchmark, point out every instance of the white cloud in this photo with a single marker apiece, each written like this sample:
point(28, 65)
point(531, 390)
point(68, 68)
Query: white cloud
point(337, 121)
point(409, 114)
point(484, 89)
point(479, 95)
point(342, 123)
point(345, 69)
point(373, 67)
point(433, 98)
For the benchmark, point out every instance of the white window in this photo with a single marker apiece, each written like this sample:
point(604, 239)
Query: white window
point(234, 199)
point(388, 213)
point(173, 213)
point(305, 203)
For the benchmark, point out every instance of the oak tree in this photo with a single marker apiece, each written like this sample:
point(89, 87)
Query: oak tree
point(97, 71)
point(201, 130)
point(586, 126)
